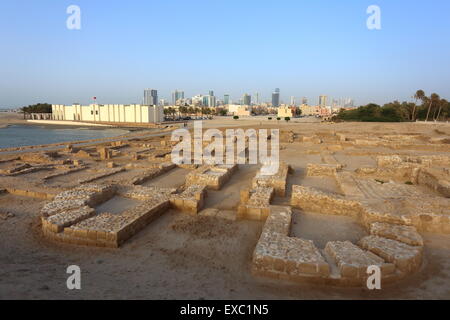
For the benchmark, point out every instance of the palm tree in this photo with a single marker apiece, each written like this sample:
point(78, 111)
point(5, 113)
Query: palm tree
point(434, 98)
point(183, 110)
point(442, 103)
point(420, 95)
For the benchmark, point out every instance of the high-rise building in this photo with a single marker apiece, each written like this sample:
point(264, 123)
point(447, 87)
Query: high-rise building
point(205, 101)
point(211, 101)
point(323, 101)
point(292, 101)
point(226, 99)
point(276, 98)
point(304, 100)
point(177, 95)
point(150, 97)
point(256, 98)
point(247, 99)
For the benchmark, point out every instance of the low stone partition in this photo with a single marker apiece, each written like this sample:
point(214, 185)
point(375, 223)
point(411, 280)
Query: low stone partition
point(405, 257)
point(65, 172)
point(287, 136)
point(312, 139)
point(71, 217)
point(191, 200)
point(255, 203)
point(87, 195)
point(16, 167)
point(279, 256)
point(101, 174)
point(277, 181)
point(390, 160)
point(353, 262)
point(417, 170)
point(402, 233)
point(214, 177)
point(57, 222)
point(42, 195)
point(310, 199)
point(45, 157)
point(320, 170)
point(23, 168)
point(152, 173)
point(435, 179)
point(397, 205)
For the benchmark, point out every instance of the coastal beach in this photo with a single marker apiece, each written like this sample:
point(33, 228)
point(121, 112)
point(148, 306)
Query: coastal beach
point(17, 132)
point(8, 118)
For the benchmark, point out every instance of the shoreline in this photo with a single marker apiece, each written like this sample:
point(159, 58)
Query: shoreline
point(58, 145)
point(121, 133)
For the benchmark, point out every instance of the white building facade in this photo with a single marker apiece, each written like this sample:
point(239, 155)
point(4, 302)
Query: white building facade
point(126, 113)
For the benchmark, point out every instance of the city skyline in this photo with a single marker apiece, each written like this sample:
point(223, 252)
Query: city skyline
point(336, 55)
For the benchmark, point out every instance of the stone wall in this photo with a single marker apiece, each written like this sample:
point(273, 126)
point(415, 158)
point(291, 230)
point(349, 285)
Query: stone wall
point(396, 249)
point(191, 200)
point(310, 199)
point(71, 217)
point(255, 203)
point(213, 177)
point(318, 170)
point(279, 256)
point(277, 181)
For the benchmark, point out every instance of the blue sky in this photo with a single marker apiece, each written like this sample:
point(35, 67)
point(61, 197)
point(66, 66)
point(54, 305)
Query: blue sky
point(304, 47)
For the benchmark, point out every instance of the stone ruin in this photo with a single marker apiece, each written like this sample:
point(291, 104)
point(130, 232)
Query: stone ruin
point(389, 211)
point(397, 250)
point(255, 202)
point(429, 171)
point(276, 181)
point(72, 218)
point(190, 200)
point(213, 177)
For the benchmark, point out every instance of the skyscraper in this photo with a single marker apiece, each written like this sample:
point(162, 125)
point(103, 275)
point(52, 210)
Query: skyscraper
point(226, 99)
point(177, 95)
point(292, 101)
point(304, 100)
point(211, 101)
point(323, 101)
point(150, 97)
point(276, 98)
point(257, 98)
point(247, 99)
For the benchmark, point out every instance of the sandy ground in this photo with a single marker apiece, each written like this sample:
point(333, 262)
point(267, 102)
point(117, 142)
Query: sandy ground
point(184, 257)
point(7, 118)
point(177, 257)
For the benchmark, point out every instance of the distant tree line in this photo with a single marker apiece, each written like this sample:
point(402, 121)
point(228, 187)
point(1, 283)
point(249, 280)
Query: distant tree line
point(424, 108)
point(37, 108)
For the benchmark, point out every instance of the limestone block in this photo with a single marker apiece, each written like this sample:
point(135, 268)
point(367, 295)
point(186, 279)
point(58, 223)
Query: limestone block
point(402, 233)
point(405, 257)
point(353, 261)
